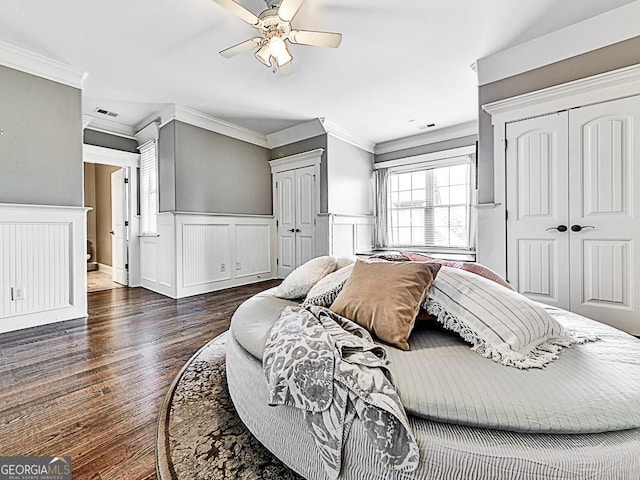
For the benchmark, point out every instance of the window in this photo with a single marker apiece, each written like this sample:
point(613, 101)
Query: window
point(148, 189)
point(429, 205)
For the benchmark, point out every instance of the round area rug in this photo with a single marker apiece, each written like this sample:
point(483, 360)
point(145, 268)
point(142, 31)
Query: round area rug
point(199, 434)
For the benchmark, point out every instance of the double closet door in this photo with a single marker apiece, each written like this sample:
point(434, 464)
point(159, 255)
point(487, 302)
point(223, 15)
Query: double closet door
point(573, 210)
point(295, 211)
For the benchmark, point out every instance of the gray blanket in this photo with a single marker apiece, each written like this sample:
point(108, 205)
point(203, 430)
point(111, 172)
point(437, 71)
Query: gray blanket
point(330, 367)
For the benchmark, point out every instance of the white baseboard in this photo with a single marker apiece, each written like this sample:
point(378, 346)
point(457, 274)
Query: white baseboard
point(105, 269)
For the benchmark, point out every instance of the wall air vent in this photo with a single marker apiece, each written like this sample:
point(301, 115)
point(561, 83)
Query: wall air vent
point(102, 111)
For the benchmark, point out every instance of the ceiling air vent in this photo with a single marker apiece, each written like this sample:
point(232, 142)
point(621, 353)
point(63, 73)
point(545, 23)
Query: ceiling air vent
point(102, 111)
point(425, 126)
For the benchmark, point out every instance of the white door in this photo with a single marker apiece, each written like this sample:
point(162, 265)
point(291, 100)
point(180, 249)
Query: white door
point(295, 210)
point(538, 208)
point(285, 206)
point(119, 229)
point(605, 212)
point(305, 215)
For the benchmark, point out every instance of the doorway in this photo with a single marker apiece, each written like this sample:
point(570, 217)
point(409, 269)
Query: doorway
point(112, 223)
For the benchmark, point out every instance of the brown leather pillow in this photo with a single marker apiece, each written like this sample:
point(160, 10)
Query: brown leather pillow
point(385, 297)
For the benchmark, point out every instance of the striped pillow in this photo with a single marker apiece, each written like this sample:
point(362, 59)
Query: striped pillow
point(500, 324)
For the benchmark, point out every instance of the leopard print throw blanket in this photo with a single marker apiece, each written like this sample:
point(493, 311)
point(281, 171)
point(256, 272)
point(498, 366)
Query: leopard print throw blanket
point(329, 367)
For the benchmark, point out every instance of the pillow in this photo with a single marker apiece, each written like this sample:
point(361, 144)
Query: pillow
point(345, 261)
point(303, 278)
point(500, 324)
point(384, 297)
point(326, 290)
point(476, 268)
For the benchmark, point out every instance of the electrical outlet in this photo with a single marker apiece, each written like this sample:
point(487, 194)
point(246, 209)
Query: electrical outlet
point(17, 293)
point(223, 267)
point(238, 266)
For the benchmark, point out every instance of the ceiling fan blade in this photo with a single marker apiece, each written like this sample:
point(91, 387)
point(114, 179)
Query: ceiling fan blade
point(288, 9)
point(239, 11)
point(317, 39)
point(241, 47)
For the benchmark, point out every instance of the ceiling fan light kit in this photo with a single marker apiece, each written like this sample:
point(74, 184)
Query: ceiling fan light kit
point(275, 30)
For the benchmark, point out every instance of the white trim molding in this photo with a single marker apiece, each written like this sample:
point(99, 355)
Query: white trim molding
point(347, 136)
point(299, 132)
point(609, 85)
point(605, 29)
point(41, 66)
point(111, 127)
point(202, 120)
point(427, 157)
point(305, 159)
point(109, 156)
point(440, 135)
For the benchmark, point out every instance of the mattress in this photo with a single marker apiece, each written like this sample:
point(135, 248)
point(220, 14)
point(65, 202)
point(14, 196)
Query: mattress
point(447, 451)
point(591, 388)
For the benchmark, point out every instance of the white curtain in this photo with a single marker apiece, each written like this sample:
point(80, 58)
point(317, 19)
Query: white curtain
point(382, 175)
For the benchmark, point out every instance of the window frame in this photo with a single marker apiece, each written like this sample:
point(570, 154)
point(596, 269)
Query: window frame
point(465, 155)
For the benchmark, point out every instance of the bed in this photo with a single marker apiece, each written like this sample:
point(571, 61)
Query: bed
point(472, 417)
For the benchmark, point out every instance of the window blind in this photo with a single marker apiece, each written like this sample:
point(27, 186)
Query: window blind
point(148, 189)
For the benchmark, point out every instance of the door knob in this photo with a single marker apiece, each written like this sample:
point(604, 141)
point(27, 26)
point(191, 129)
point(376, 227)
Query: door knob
point(298, 230)
point(291, 230)
point(578, 228)
point(560, 228)
point(112, 232)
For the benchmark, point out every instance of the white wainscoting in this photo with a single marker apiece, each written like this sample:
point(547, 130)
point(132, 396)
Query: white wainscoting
point(42, 253)
point(350, 234)
point(200, 253)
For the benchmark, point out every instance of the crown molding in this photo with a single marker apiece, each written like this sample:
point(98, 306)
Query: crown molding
point(596, 32)
point(41, 66)
point(440, 135)
point(347, 136)
point(110, 127)
point(202, 120)
point(617, 83)
point(299, 132)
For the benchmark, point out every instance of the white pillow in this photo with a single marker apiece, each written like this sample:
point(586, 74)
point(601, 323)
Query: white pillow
point(345, 261)
point(300, 281)
point(500, 323)
point(326, 290)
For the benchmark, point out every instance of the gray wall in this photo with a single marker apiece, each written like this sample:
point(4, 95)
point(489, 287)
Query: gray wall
point(115, 142)
point(167, 168)
point(428, 148)
point(304, 146)
point(612, 57)
point(212, 173)
point(350, 179)
point(41, 144)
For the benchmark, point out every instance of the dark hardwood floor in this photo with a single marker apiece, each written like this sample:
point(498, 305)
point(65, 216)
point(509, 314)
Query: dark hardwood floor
point(92, 389)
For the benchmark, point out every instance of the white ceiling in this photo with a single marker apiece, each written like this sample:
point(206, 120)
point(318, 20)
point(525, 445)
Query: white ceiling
point(399, 60)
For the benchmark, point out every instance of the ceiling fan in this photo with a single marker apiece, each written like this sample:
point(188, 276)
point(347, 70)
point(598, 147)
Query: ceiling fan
point(274, 27)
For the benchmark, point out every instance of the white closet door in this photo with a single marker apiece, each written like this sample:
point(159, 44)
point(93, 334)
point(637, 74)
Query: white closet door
point(305, 214)
point(537, 208)
point(286, 217)
point(605, 173)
